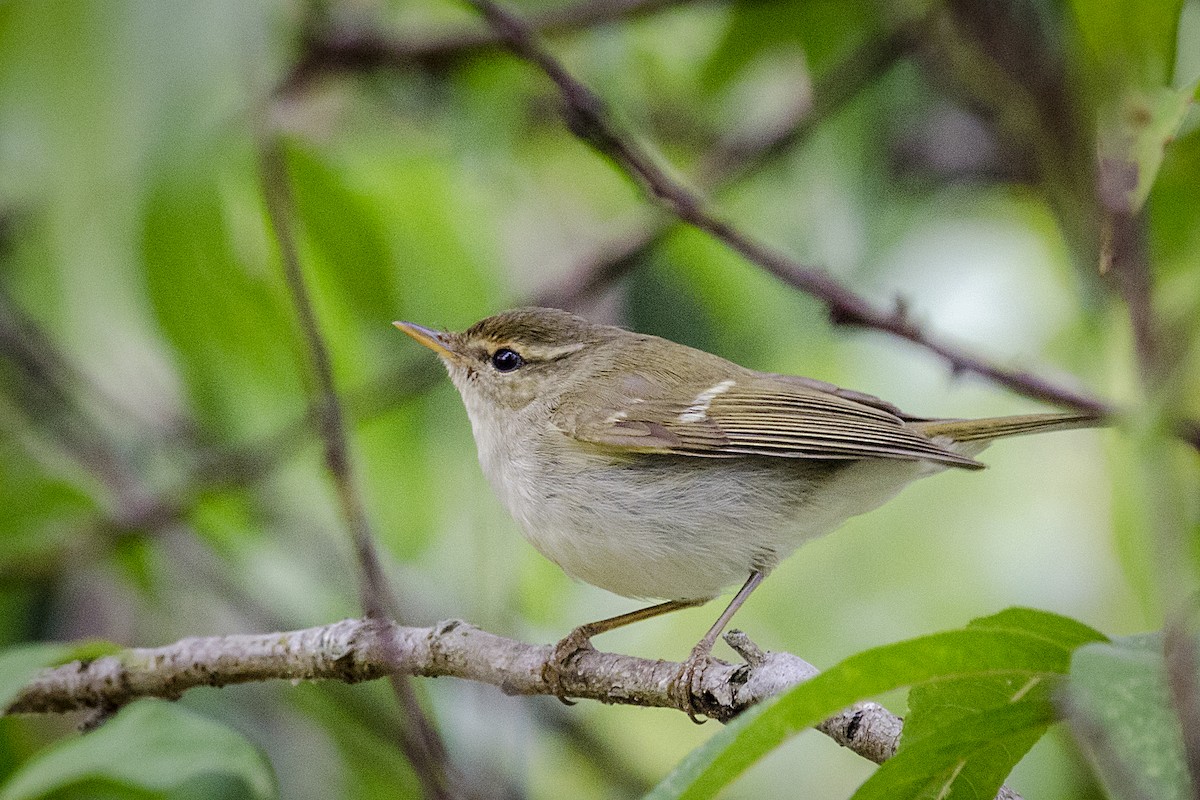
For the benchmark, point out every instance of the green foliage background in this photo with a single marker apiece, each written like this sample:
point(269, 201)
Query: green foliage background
point(159, 477)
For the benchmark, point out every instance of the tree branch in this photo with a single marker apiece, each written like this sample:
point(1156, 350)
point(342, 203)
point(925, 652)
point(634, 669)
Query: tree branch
point(736, 159)
point(355, 650)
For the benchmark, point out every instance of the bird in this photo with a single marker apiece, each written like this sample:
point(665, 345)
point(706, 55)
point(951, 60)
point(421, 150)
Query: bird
point(658, 471)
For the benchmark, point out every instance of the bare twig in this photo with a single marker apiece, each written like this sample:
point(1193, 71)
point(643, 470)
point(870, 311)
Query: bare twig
point(420, 742)
point(733, 161)
point(352, 651)
point(330, 418)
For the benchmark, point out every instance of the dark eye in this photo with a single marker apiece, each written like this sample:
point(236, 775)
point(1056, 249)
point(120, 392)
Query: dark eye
point(506, 360)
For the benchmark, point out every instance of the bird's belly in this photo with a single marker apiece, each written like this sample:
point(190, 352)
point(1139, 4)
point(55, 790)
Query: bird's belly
point(661, 536)
point(677, 527)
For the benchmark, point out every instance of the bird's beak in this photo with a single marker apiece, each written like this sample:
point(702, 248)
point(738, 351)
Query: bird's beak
point(437, 341)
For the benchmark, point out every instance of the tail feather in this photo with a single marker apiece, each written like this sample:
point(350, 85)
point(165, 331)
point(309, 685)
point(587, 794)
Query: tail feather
point(973, 430)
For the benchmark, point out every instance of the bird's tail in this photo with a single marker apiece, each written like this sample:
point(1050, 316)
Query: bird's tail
point(974, 430)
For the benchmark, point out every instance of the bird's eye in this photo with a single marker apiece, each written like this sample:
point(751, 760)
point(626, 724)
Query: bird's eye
point(506, 360)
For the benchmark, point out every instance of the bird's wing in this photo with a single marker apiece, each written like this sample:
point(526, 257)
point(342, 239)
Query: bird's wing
point(749, 414)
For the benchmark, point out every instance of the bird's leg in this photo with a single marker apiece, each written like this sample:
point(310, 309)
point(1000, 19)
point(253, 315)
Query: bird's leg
point(581, 639)
point(686, 685)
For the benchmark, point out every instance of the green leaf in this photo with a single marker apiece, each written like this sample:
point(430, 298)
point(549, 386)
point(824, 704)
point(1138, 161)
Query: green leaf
point(1141, 100)
point(1058, 632)
point(228, 320)
point(1175, 226)
point(40, 510)
point(19, 664)
point(968, 758)
point(153, 746)
point(1016, 644)
point(823, 28)
point(934, 706)
point(1136, 37)
point(1135, 129)
point(343, 226)
point(1120, 710)
point(963, 736)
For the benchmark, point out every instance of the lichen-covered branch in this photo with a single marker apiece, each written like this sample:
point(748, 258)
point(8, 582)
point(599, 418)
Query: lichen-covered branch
point(367, 649)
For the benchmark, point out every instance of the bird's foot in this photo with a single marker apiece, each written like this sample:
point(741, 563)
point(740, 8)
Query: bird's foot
point(571, 645)
point(686, 688)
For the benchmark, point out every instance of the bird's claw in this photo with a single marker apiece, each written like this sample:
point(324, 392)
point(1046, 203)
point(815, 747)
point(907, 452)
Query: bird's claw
point(567, 648)
point(686, 688)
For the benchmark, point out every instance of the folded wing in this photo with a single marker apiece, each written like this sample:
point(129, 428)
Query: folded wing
point(751, 414)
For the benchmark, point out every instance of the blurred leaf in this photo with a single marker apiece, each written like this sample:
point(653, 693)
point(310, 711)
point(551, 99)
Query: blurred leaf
point(134, 556)
point(733, 293)
point(39, 509)
point(1138, 37)
point(228, 323)
point(1018, 643)
point(362, 725)
point(19, 664)
point(226, 520)
point(1154, 478)
point(154, 746)
point(823, 28)
point(398, 445)
point(1132, 47)
point(1174, 216)
point(1135, 130)
point(665, 303)
point(88, 650)
point(343, 226)
point(1120, 710)
point(442, 270)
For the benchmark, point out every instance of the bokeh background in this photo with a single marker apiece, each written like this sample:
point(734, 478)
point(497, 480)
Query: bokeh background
point(160, 472)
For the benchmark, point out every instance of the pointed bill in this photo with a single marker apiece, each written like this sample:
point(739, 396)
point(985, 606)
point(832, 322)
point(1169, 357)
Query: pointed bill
point(437, 341)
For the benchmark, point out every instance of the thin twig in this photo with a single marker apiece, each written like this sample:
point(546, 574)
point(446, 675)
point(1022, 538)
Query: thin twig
point(732, 162)
point(421, 742)
point(330, 419)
